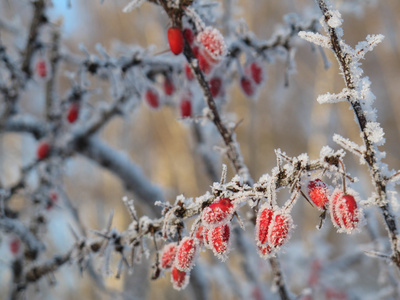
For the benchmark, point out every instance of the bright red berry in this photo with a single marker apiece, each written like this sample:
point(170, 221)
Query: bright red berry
point(168, 255)
point(219, 238)
point(186, 254)
point(213, 42)
point(43, 150)
point(188, 72)
point(263, 222)
point(186, 108)
point(189, 36)
point(248, 86)
point(256, 72)
point(218, 212)
point(15, 245)
point(175, 40)
point(344, 211)
point(41, 68)
point(152, 99)
point(73, 112)
point(318, 192)
point(169, 87)
point(278, 231)
point(179, 279)
point(215, 86)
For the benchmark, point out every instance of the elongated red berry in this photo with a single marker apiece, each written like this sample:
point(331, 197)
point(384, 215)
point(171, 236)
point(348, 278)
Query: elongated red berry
point(215, 86)
point(73, 112)
point(218, 212)
point(41, 68)
point(186, 254)
point(43, 150)
point(168, 255)
point(15, 245)
point(186, 107)
point(189, 36)
point(152, 98)
point(188, 72)
point(344, 212)
point(175, 40)
point(318, 193)
point(263, 222)
point(179, 279)
point(169, 87)
point(278, 232)
point(248, 86)
point(256, 72)
point(213, 42)
point(219, 239)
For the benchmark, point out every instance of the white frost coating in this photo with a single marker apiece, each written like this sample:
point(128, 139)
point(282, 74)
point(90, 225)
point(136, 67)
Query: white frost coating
point(316, 38)
point(132, 5)
point(375, 133)
point(366, 46)
point(335, 98)
point(335, 20)
point(349, 145)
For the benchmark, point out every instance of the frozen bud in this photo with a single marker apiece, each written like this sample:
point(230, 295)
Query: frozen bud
point(219, 240)
point(213, 42)
point(168, 255)
point(179, 279)
point(318, 193)
point(186, 254)
point(344, 212)
point(219, 212)
point(263, 223)
point(152, 99)
point(278, 232)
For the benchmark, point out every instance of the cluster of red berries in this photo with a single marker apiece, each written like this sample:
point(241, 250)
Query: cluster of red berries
point(252, 79)
point(343, 209)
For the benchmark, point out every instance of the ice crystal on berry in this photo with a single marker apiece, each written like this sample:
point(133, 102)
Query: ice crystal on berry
point(218, 212)
point(213, 42)
point(219, 238)
point(179, 279)
point(278, 232)
point(318, 193)
point(168, 255)
point(186, 254)
point(263, 222)
point(344, 212)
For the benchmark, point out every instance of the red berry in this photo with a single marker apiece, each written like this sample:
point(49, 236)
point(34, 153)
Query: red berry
point(179, 279)
point(169, 87)
point(151, 97)
point(188, 72)
point(186, 108)
point(15, 245)
point(168, 255)
point(73, 112)
point(256, 72)
point(202, 235)
point(218, 212)
point(205, 64)
point(219, 238)
point(215, 86)
point(263, 222)
point(41, 68)
point(278, 231)
point(43, 150)
point(213, 42)
point(344, 211)
point(318, 192)
point(189, 36)
point(247, 86)
point(186, 254)
point(175, 40)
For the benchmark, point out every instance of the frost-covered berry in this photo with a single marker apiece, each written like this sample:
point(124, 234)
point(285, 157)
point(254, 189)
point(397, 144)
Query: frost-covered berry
point(202, 236)
point(213, 42)
point(278, 232)
point(179, 279)
point(43, 150)
point(318, 193)
point(205, 64)
point(169, 87)
point(263, 222)
point(188, 72)
point(215, 86)
point(152, 98)
point(186, 254)
point(175, 40)
point(344, 211)
point(218, 212)
point(15, 245)
point(186, 108)
point(73, 112)
point(248, 86)
point(256, 72)
point(189, 36)
point(219, 239)
point(41, 68)
point(168, 255)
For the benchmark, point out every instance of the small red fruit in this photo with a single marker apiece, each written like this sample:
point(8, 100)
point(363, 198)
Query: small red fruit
point(186, 254)
point(247, 85)
point(41, 68)
point(151, 97)
point(256, 72)
point(219, 238)
point(263, 222)
point(175, 40)
point(179, 279)
point(168, 255)
point(215, 86)
point(205, 64)
point(43, 150)
point(318, 193)
point(73, 112)
point(213, 42)
point(169, 87)
point(278, 231)
point(217, 213)
point(15, 246)
point(344, 211)
point(186, 108)
point(189, 36)
point(188, 72)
